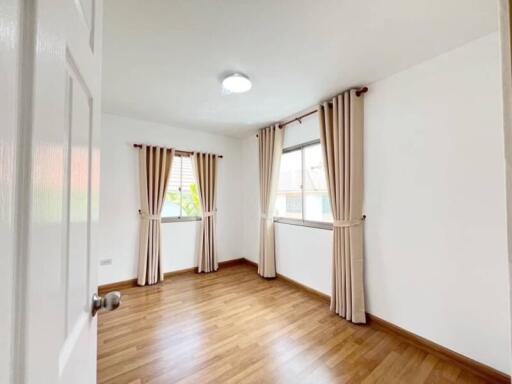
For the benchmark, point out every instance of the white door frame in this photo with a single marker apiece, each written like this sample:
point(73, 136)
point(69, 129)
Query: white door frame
point(10, 53)
point(17, 63)
point(505, 15)
point(17, 55)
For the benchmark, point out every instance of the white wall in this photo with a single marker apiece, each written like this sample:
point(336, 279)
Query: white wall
point(436, 245)
point(302, 253)
point(250, 199)
point(120, 201)
point(435, 241)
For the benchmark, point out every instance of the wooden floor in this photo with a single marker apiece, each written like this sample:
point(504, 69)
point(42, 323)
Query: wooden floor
point(234, 327)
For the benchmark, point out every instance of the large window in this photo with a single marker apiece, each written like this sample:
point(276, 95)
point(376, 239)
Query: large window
point(182, 198)
point(302, 192)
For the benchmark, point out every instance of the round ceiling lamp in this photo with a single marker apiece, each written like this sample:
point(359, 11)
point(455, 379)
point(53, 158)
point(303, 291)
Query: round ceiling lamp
point(236, 83)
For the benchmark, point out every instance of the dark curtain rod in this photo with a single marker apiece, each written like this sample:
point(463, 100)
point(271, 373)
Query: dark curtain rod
point(176, 152)
point(359, 92)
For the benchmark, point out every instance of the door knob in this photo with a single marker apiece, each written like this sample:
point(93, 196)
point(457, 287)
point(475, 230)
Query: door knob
point(109, 302)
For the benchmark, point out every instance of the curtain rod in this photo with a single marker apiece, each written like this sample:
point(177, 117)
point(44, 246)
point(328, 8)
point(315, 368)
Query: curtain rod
point(359, 92)
point(176, 152)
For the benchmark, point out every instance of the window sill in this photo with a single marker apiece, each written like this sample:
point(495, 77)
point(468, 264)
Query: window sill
point(180, 219)
point(304, 223)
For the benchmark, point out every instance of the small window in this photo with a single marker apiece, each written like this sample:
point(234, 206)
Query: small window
point(182, 197)
point(316, 197)
point(289, 192)
point(302, 191)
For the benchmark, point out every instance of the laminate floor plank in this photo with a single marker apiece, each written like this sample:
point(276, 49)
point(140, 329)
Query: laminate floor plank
point(234, 327)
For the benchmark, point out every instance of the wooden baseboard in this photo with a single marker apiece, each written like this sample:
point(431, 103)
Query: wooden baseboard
point(180, 272)
point(301, 286)
point(229, 263)
point(105, 288)
point(250, 262)
point(488, 373)
point(305, 288)
point(484, 371)
point(119, 286)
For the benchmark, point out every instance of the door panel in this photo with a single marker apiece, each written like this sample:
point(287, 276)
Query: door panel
point(77, 278)
point(59, 333)
point(87, 9)
point(9, 64)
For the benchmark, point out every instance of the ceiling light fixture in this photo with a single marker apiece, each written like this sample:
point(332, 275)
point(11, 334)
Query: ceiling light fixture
point(236, 83)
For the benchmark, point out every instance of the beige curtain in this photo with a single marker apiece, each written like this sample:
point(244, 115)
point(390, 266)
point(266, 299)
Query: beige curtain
point(206, 174)
point(341, 135)
point(154, 166)
point(270, 148)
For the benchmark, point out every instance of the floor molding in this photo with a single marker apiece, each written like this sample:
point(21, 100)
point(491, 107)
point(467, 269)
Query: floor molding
point(482, 370)
point(252, 263)
point(118, 286)
point(149, 337)
point(488, 373)
point(301, 286)
point(305, 288)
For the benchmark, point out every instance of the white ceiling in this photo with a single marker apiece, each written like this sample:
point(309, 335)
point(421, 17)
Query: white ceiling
point(164, 59)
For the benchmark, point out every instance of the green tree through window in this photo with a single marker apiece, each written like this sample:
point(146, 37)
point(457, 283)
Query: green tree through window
point(190, 203)
point(182, 196)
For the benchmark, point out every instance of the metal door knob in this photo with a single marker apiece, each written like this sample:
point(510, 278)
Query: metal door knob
point(109, 302)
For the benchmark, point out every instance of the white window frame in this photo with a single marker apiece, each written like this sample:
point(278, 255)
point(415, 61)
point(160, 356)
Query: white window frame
point(302, 222)
point(177, 219)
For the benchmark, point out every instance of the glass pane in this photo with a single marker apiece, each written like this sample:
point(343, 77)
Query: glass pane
point(172, 201)
point(316, 197)
point(190, 203)
point(289, 194)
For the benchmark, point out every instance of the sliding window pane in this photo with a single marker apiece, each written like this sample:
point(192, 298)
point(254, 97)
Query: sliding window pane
point(172, 200)
point(316, 197)
point(289, 193)
point(190, 205)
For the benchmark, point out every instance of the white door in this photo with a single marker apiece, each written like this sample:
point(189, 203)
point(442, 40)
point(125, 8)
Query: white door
point(9, 55)
point(59, 191)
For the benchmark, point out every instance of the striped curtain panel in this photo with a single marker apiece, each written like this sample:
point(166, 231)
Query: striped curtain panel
point(206, 174)
point(341, 135)
point(154, 168)
point(270, 147)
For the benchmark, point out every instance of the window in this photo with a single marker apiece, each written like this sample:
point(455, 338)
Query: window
point(182, 197)
point(289, 190)
point(302, 191)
